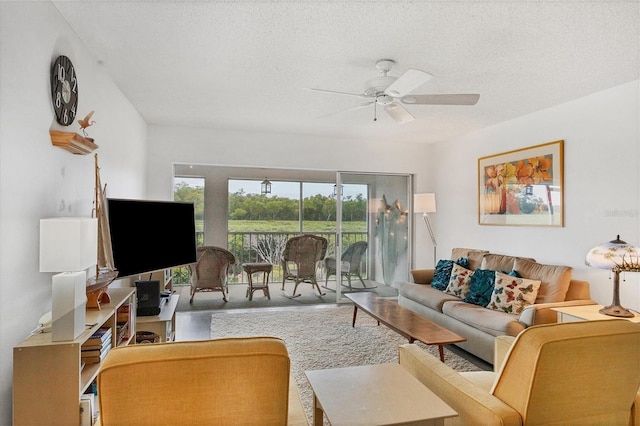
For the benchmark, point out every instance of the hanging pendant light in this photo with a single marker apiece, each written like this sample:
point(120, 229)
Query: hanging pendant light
point(265, 187)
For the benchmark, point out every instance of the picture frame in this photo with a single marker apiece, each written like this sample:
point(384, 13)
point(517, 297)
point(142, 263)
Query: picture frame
point(523, 187)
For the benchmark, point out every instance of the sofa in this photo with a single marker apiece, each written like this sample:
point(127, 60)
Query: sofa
point(243, 381)
point(486, 295)
point(578, 373)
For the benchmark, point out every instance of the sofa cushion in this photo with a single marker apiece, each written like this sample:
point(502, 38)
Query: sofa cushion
point(473, 255)
point(459, 281)
point(498, 262)
point(492, 322)
point(554, 279)
point(501, 262)
point(512, 294)
point(480, 287)
point(426, 295)
point(443, 270)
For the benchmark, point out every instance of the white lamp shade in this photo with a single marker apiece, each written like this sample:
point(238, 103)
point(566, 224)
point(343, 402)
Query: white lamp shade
point(68, 244)
point(424, 203)
point(614, 255)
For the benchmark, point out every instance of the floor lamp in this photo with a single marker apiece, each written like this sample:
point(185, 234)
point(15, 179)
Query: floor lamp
point(425, 204)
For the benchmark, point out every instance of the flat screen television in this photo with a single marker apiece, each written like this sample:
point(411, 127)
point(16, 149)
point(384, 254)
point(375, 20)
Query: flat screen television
point(148, 236)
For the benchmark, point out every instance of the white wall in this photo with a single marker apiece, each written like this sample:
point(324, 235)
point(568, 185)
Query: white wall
point(238, 148)
point(173, 145)
point(601, 177)
point(38, 180)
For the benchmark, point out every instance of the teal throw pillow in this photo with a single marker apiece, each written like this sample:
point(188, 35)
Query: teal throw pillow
point(442, 273)
point(481, 288)
point(464, 262)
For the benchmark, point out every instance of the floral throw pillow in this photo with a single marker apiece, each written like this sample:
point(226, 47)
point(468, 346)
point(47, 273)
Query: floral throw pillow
point(442, 273)
point(512, 294)
point(481, 287)
point(459, 281)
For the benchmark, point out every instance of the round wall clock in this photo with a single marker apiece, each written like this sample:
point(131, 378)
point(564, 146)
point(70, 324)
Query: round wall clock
point(64, 90)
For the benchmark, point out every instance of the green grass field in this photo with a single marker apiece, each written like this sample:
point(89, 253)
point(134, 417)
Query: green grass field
point(292, 226)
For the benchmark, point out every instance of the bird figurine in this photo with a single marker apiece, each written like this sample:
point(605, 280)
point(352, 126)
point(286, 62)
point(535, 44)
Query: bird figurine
point(86, 122)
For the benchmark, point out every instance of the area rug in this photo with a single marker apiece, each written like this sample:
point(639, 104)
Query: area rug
point(322, 337)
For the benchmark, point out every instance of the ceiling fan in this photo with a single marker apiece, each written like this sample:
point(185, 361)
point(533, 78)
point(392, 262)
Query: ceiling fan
point(391, 92)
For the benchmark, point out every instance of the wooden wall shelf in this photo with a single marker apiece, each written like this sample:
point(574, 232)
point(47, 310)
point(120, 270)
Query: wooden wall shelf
point(72, 142)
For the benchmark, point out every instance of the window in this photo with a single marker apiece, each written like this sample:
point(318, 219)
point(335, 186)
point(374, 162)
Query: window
point(190, 189)
point(260, 224)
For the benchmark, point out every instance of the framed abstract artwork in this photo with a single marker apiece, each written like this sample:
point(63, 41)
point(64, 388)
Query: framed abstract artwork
point(524, 187)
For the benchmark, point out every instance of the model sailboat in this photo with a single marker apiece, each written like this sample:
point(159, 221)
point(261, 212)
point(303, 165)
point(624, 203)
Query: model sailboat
point(105, 270)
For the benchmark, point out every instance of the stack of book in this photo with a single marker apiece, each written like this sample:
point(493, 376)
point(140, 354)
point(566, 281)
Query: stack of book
point(96, 347)
point(122, 326)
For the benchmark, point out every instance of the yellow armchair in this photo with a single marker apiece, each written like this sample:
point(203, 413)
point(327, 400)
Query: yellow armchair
point(234, 381)
point(581, 373)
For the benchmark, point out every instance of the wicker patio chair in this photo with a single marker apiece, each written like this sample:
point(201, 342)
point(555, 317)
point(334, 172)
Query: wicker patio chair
point(211, 270)
point(300, 258)
point(351, 263)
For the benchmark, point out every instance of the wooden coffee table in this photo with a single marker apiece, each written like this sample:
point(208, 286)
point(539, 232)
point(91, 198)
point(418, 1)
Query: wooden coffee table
point(381, 394)
point(403, 321)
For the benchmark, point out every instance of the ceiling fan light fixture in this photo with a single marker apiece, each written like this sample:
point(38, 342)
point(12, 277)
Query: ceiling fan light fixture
point(399, 113)
point(391, 92)
point(384, 99)
point(378, 85)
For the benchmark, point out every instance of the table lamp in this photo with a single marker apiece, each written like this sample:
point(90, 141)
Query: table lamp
point(426, 203)
point(70, 246)
point(617, 256)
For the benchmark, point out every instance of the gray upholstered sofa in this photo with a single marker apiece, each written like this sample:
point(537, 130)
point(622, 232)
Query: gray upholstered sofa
point(480, 324)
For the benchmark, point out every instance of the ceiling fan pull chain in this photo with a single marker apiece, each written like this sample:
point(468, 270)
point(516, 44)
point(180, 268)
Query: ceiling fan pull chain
point(375, 111)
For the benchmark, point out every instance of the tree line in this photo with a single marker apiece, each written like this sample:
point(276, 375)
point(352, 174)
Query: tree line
point(244, 206)
point(315, 208)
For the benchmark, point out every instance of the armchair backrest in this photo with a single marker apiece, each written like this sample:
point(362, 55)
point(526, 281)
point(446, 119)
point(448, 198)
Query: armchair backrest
point(212, 266)
point(353, 255)
point(221, 381)
point(573, 373)
point(305, 251)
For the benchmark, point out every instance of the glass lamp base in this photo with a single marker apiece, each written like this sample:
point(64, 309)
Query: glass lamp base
point(616, 311)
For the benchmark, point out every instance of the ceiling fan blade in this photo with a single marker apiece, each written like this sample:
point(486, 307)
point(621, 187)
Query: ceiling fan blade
point(399, 113)
point(462, 99)
point(359, 95)
point(364, 105)
point(408, 81)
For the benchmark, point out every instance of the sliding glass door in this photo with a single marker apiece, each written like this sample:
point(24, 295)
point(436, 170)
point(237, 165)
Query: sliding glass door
point(372, 232)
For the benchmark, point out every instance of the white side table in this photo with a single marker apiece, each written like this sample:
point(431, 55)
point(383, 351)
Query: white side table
point(382, 394)
point(586, 313)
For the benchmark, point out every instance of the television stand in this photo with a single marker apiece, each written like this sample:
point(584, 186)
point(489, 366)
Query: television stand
point(163, 324)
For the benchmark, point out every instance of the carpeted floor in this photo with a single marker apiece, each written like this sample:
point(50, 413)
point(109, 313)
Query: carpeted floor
point(323, 338)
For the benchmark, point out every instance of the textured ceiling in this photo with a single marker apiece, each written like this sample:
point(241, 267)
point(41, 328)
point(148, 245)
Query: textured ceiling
point(246, 64)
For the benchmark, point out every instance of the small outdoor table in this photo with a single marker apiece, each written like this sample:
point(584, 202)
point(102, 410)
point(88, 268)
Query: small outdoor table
point(252, 268)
